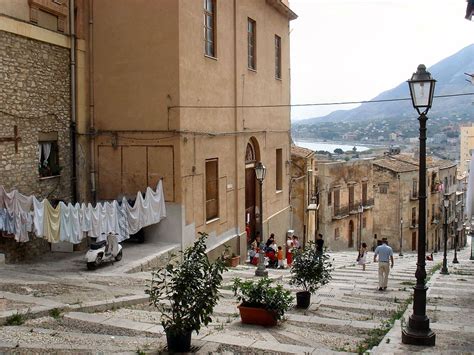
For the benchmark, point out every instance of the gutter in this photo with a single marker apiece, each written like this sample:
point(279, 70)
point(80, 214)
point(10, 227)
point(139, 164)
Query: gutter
point(72, 56)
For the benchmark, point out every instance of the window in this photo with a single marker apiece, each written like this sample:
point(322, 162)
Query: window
point(336, 199)
point(210, 27)
point(329, 198)
point(364, 193)
point(212, 189)
point(433, 211)
point(351, 197)
point(383, 188)
point(364, 222)
point(413, 216)
point(336, 233)
point(252, 44)
point(49, 158)
point(279, 170)
point(415, 189)
point(277, 57)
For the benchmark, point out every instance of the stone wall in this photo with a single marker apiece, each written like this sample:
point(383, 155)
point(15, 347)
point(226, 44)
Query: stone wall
point(35, 97)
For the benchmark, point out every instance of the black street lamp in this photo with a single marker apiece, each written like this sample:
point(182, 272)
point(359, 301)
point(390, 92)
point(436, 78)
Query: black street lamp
point(456, 236)
point(418, 331)
point(444, 269)
point(260, 171)
point(471, 233)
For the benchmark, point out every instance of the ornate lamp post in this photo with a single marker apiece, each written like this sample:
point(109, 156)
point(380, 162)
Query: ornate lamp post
point(456, 236)
point(418, 331)
point(260, 171)
point(471, 233)
point(444, 269)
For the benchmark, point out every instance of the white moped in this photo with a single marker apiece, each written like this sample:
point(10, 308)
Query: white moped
point(104, 251)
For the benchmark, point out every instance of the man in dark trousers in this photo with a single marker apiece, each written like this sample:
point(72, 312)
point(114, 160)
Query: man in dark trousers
point(319, 244)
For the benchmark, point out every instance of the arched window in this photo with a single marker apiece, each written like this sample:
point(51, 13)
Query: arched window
point(250, 156)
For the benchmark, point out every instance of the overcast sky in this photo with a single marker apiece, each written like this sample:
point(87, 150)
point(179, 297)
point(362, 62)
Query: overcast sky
point(352, 50)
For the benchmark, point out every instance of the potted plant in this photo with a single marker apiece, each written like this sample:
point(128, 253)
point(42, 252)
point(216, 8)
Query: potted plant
point(261, 303)
point(231, 260)
point(185, 293)
point(310, 270)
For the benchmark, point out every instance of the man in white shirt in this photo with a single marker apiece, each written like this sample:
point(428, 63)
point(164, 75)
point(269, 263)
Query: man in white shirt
point(385, 253)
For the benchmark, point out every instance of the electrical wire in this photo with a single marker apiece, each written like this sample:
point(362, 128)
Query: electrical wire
point(316, 104)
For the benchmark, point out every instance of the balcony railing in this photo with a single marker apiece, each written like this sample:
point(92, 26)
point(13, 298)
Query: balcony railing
point(341, 211)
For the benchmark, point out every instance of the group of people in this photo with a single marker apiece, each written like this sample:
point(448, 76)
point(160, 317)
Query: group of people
point(275, 254)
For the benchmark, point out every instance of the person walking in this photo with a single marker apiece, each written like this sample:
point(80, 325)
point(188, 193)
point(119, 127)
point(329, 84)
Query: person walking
point(385, 253)
point(319, 244)
point(362, 258)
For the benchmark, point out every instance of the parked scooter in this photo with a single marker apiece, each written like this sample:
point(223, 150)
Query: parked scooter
point(104, 251)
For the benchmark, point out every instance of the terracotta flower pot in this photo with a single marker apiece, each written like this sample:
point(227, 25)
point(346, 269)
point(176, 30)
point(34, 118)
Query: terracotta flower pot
point(234, 261)
point(257, 316)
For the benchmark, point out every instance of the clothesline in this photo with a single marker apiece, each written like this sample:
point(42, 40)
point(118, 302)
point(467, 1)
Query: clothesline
point(20, 215)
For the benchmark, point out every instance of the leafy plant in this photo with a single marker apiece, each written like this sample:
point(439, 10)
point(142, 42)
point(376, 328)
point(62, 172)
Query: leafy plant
point(191, 288)
point(310, 270)
point(16, 319)
point(261, 294)
point(55, 313)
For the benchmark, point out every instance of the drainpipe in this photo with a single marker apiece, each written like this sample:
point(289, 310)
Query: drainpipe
point(72, 57)
point(91, 101)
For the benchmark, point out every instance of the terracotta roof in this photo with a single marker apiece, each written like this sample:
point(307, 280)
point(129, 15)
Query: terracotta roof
point(301, 152)
point(404, 163)
point(398, 166)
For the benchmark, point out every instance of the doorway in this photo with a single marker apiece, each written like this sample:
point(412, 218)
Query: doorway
point(350, 243)
point(251, 157)
point(413, 241)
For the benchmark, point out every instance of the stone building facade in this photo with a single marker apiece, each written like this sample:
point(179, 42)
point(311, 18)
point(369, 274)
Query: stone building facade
point(302, 193)
point(396, 209)
point(346, 201)
point(35, 110)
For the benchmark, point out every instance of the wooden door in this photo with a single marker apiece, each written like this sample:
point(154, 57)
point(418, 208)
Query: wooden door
point(413, 241)
point(250, 200)
point(350, 243)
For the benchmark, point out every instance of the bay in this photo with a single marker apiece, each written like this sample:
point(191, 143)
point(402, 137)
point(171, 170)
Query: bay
point(328, 147)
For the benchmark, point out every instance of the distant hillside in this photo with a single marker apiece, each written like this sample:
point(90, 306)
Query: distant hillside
point(450, 77)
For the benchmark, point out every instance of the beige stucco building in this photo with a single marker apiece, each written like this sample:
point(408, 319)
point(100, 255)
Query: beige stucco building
point(467, 144)
point(396, 206)
point(345, 216)
point(191, 92)
point(174, 89)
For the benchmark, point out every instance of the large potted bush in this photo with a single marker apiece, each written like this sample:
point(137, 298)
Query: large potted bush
point(310, 270)
point(261, 303)
point(185, 293)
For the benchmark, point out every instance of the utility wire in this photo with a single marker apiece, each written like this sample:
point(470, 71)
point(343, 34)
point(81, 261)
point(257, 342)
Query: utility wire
point(316, 104)
point(44, 115)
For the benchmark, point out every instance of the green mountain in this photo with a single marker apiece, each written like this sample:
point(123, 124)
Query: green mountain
point(451, 79)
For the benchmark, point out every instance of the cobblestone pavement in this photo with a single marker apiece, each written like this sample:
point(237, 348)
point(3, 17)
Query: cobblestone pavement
point(106, 311)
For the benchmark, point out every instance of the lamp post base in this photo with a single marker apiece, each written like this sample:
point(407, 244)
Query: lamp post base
point(417, 337)
point(261, 272)
point(444, 272)
point(455, 260)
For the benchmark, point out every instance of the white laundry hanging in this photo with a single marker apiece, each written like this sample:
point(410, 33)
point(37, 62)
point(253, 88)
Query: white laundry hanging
point(136, 214)
point(70, 227)
point(38, 219)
